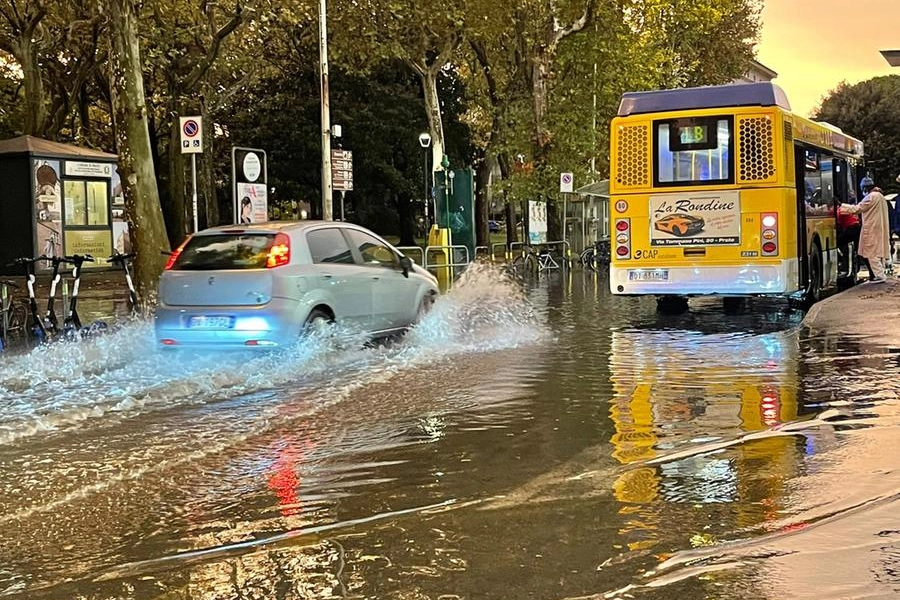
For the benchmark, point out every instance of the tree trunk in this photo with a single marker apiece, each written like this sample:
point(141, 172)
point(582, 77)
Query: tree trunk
point(508, 208)
point(541, 64)
point(142, 210)
point(206, 176)
point(176, 210)
point(482, 207)
point(36, 115)
point(435, 121)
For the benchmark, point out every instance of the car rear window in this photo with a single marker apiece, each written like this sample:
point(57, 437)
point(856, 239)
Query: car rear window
point(225, 251)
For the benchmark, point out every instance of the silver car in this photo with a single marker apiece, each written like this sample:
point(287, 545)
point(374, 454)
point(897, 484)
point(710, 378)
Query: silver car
point(263, 285)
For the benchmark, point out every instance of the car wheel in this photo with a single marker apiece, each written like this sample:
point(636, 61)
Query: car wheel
point(317, 322)
point(676, 230)
point(425, 307)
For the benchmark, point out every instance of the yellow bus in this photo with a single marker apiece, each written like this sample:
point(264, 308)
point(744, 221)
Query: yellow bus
point(721, 190)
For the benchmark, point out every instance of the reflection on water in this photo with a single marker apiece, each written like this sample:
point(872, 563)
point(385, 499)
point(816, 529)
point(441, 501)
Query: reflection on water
point(545, 441)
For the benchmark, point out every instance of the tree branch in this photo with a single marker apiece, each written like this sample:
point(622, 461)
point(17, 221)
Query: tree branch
point(204, 65)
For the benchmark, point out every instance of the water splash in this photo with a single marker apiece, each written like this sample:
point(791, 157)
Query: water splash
point(120, 375)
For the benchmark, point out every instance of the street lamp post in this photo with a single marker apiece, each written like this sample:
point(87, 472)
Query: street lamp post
point(425, 142)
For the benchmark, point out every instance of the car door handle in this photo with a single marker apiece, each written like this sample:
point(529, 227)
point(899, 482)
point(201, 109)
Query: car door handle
point(326, 275)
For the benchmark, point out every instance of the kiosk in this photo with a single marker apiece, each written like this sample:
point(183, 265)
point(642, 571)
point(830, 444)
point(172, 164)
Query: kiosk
point(59, 199)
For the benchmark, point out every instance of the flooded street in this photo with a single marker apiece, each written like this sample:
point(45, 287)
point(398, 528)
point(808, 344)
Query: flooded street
point(554, 443)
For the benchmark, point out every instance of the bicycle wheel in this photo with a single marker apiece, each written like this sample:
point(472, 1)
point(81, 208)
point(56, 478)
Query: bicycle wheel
point(530, 263)
point(586, 256)
point(18, 318)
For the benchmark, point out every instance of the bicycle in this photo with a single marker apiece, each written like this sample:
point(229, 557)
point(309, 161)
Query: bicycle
point(38, 328)
point(531, 261)
point(597, 255)
point(14, 313)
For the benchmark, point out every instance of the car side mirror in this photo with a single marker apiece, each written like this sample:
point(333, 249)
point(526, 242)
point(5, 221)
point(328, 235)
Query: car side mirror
point(406, 265)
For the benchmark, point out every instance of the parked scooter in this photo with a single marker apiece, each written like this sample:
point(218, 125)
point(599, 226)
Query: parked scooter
point(51, 322)
point(72, 326)
point(118, 258)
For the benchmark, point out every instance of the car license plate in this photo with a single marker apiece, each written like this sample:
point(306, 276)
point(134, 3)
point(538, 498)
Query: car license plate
point(648, 275)
point(211, 322)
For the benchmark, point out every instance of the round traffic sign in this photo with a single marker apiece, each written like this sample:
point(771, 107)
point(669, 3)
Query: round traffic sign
point(252, 166)
point(567, 177)
point(191, 128)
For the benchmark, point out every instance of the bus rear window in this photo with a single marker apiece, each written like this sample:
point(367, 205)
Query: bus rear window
point(693, 151)
point(225, 251)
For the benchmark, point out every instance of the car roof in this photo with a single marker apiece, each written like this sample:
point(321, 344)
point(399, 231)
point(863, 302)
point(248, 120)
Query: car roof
point(270, 226)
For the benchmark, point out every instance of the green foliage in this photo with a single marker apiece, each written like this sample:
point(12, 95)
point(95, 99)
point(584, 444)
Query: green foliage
point(870, 111)
point(381, 117)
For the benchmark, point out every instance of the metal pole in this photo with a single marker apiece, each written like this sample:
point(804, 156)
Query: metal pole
point(342, 205)
point(194, 178)
point(425, 198)
point(326, 117)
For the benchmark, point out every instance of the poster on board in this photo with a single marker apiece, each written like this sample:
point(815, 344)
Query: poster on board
point(537, 222)
point(252, 203)
point(47, 207)
point(698, 219)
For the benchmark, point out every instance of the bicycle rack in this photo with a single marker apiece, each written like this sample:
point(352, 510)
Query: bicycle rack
point(418, 249)
point(505, 255)
point(449, 251)
point(484, 250)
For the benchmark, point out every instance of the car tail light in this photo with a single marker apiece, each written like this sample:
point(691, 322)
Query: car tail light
point(173, 256)
point(280, 252)
point(623, 238)
point(168, 342)
point(770, 234)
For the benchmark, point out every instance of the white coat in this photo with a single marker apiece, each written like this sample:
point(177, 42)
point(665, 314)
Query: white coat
point(874, 241)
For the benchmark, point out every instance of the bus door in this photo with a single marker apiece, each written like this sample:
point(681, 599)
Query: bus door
point(802, 197)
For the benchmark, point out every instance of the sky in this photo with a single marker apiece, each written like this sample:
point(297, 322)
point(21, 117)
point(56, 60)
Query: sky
point(814, 45)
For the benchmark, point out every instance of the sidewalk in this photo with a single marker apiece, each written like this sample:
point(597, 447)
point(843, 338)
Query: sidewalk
point(869, 310)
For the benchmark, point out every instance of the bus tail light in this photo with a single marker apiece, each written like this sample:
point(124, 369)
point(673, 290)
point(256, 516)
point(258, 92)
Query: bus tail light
point(769, 234)
point(623, 238)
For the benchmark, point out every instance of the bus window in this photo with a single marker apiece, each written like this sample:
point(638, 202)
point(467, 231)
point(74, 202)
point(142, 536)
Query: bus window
point(839, 170)
point(819, 178)
point(693, 151)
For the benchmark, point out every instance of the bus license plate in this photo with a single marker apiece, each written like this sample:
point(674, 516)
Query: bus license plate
point(211, 322)
point(649, 275)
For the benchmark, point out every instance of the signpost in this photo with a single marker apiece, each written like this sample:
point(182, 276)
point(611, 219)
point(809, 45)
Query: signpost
point(566, 187)
point(249, 176)
point(192, 143)
point(342, 173)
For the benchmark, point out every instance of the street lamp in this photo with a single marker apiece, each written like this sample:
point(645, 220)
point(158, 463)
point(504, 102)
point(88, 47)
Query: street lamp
point(425, 142)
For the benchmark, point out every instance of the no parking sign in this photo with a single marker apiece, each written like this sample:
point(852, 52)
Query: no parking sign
point(566, 183)
point(191, 135)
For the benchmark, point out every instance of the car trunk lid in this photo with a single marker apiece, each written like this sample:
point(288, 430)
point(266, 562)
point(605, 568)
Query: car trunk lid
point(216, 288)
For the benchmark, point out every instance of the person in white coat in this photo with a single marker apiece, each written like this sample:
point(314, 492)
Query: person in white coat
point(874, 243)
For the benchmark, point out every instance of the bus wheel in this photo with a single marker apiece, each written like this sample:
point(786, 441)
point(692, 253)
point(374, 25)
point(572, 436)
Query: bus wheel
point(671, 305)
point(814, 286)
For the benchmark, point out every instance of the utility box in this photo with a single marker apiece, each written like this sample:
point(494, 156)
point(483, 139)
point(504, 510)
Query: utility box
point(58, 200)
point(454, 206)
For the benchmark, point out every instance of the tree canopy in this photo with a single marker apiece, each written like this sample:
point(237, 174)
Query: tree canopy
point(869, 110)
point(532, 84)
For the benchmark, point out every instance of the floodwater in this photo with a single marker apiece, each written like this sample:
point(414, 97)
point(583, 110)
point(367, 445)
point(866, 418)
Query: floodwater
point(548, 442)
